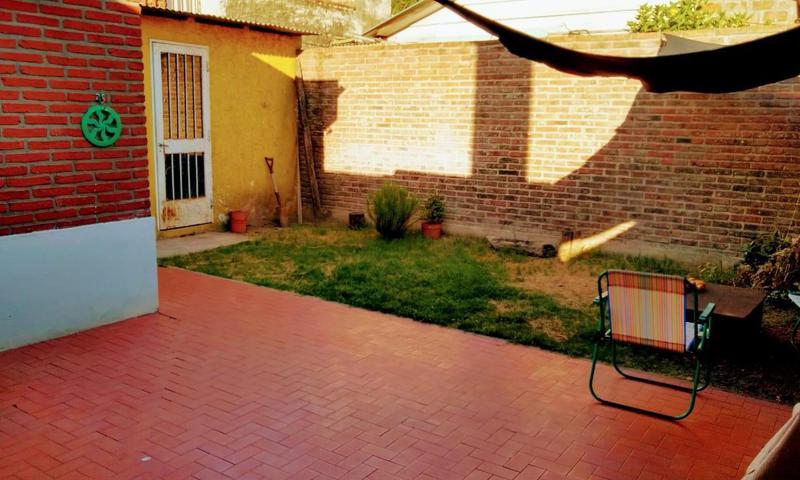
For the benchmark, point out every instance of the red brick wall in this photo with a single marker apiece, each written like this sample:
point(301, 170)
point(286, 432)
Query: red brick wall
point(54, 56)
point(517, 147)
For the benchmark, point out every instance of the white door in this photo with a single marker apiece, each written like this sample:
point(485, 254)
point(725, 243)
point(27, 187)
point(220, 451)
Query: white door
point(183, 147)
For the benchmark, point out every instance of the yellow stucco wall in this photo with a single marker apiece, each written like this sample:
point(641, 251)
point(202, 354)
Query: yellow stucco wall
point(252, 108)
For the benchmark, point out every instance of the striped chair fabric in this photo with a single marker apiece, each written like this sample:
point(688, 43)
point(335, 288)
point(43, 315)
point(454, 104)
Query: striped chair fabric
point(649, 309)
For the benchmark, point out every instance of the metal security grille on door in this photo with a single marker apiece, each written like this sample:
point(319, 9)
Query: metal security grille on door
point(182, 102)
point(182, 132)
point(184, 175)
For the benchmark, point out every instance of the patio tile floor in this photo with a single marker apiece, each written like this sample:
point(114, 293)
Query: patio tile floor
point(231, 380)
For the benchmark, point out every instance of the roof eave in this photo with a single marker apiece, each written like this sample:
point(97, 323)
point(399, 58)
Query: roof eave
point(224, 21)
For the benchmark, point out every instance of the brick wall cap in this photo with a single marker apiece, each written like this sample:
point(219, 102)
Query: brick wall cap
point(746, 33)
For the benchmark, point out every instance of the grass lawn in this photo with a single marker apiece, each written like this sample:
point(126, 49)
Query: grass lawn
point(460, 282)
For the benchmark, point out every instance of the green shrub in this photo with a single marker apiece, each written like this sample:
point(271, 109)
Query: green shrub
point(771, 262)
point(781, 273)
point(683, 15)
point(717, 272)
point(757, 252)
point(434, 209)
point(391, 208)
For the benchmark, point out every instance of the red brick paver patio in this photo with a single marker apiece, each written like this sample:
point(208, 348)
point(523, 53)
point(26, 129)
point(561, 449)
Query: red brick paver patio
point(236, 381)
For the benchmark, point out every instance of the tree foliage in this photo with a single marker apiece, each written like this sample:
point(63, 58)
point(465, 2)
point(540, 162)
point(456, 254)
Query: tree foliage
point(309, 15)
point(683, 15)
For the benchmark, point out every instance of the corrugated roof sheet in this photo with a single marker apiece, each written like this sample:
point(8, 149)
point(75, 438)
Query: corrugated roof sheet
point(225, 21)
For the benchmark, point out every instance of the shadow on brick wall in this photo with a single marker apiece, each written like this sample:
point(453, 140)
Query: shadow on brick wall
point(500, 124)
point(322, 97)
point(707, 171)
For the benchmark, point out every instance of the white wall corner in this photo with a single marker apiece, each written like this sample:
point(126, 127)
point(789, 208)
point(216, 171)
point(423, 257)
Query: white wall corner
point(58, 282)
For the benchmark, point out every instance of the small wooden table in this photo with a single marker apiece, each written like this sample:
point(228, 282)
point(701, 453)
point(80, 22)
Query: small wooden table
point(738, 311)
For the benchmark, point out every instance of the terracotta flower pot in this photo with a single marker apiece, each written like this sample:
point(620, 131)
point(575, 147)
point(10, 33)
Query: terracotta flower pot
point(432, 230)
point(238, 221)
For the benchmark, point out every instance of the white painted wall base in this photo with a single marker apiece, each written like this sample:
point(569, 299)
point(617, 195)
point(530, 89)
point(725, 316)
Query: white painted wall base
point(57, 282)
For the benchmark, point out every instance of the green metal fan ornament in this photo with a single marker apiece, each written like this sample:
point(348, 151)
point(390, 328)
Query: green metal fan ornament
point(101, 125)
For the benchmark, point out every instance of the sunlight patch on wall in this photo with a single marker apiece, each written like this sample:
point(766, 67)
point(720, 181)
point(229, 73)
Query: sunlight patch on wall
point(284, 64)
point(575, 248)
point(559, 143)
point(402, 116)
point(448, 152)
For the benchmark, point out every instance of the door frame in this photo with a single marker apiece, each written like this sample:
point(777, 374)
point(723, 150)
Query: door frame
point(158, 122)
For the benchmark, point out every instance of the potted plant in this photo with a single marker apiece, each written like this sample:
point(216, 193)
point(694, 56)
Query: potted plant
point(434, 216)
point(238, 221)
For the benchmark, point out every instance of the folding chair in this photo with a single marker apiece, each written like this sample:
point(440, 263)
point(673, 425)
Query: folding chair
point(651, 309)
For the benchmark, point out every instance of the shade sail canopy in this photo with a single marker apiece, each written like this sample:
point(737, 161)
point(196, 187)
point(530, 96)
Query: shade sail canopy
point(720, 70)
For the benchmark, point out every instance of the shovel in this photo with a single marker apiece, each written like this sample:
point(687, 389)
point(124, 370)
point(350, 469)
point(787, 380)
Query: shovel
point(283, 219)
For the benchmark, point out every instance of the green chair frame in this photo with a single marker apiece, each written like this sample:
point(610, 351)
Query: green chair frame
point(702, 326)
point(795, 298)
